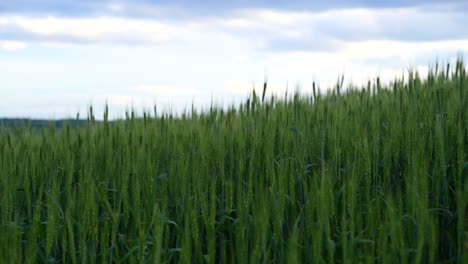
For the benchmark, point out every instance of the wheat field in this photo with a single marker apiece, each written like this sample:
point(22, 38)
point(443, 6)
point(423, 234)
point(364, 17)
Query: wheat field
point(374, 174)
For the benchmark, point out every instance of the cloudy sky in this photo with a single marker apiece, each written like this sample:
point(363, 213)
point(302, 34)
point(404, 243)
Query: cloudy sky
point(59, 56)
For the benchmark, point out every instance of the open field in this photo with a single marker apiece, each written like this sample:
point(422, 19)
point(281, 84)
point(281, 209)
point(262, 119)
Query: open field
point(371, 175)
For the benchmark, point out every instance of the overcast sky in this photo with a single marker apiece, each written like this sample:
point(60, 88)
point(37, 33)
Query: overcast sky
point(58, 56)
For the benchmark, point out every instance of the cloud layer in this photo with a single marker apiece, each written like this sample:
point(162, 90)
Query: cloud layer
point(57, 56)
point(264, 29)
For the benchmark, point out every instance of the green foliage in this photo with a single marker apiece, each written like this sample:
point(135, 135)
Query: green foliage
point(372, 175)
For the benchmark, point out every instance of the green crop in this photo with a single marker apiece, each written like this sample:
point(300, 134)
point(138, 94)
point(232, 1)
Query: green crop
point(370, 175)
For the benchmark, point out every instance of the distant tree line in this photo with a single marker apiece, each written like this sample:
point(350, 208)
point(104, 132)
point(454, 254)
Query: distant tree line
point(39, 123)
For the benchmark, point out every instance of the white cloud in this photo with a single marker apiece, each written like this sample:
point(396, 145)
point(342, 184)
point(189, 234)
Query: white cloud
point(258, 17)
point(238, 22)
point(165, 90)
point(96, 29)
point(292, 30)
point(390, 48)
point(267, 29)
point(11, 45)
point(115, 7)
point(120, 100)
point(359, 61)
point(215, 57)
